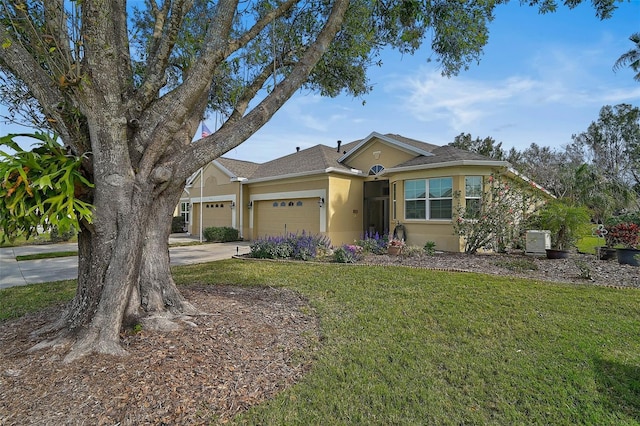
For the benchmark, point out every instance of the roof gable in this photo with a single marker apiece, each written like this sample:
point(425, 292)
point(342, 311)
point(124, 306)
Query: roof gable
point(411, 146)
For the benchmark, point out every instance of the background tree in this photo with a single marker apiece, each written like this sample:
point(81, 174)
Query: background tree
point(609, 147)
point(127, 98)
point(487, 146)
point(551, 168)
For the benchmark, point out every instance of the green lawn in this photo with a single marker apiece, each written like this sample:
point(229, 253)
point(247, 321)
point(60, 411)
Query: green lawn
point(17, 301)
point(43, 238)
point(409, 346)
point(588, 244)
point(47, 255)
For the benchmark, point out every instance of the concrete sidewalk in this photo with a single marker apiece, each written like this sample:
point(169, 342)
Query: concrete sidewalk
point(14, 273)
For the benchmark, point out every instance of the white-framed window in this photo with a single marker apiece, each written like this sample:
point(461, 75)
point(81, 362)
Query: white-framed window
point(395, 198)
point(374, 170)
point(429, 198)
point(472, 196)
point(185, 210)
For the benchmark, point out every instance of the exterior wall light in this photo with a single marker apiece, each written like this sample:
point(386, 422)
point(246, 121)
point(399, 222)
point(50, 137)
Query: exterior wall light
point(321, 202)
point(250, 205)
point(232, 205)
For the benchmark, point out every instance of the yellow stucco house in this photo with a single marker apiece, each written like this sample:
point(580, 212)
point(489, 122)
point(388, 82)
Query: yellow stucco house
point(369, 185)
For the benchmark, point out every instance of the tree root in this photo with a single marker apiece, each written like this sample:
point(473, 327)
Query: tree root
point(166, 321)
point(59, 342)
point(93, 343)
point(57, 336)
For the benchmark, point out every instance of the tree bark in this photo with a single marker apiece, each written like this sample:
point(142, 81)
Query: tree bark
point(158, 299)
point(124, 286)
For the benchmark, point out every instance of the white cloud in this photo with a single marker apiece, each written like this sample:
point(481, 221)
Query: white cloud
point(300, 111)
point(460, 101)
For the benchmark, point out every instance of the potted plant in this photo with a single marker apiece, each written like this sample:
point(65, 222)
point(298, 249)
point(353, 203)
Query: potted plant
point(608, 251)
point(564, 222)
point(626, 234)
point(395, 246)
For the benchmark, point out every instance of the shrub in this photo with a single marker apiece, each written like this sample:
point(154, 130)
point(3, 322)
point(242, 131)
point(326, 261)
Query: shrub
point(627, 217)
point(412, 251)
point(270, 248)
point(348, 253)
point(177, 224)
point(296, 246)
point(373, 243)
point(611, 225)
point(430, 248)
point(499, 222)
point(221, 234)
point(626, 234)
point(565, 221)
point(56, 236)
point(306, 246)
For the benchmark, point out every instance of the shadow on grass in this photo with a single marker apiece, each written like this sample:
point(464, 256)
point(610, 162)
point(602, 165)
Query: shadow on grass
point(619, 384)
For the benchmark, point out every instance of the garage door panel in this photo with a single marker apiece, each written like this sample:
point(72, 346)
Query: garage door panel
point(216, 214)
point(280, 217)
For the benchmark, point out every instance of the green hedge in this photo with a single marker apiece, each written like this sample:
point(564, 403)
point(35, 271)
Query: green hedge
point(221, 234)
point(177, 224)
point(57, 237)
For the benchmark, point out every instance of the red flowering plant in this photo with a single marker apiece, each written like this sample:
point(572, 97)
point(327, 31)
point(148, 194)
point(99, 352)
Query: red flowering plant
point(496, 219)
point(396, 243)
point(625, 233)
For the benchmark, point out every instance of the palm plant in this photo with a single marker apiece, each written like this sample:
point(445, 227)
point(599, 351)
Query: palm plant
point(564, 221)
point(631, 58)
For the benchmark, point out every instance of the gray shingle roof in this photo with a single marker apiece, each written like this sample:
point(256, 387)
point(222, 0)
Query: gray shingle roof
point(445, 154)
point(318, 158)
point(239, 168)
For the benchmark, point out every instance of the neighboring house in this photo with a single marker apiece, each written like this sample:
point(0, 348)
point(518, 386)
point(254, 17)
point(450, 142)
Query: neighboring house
point(371, 185)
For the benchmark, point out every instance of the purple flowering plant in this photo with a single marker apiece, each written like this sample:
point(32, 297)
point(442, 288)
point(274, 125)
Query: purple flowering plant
point(302, 246)
point(348, 253)
point(373, 242)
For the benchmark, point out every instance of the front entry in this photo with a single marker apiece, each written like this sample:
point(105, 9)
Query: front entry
point(376, 208)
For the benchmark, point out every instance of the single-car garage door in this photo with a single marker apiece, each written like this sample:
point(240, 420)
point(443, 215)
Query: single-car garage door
point(216, 214)
point(280, 217)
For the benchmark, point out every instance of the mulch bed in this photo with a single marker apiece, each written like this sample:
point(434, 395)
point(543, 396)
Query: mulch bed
point(255, 343)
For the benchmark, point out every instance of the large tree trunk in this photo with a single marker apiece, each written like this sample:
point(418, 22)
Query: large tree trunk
point(126, 285)
point(156, 300)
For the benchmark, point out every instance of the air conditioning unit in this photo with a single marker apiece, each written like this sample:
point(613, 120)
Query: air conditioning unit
point(537, 242)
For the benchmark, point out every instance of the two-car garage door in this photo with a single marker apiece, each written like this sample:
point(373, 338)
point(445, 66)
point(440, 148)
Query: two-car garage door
point(285, 216)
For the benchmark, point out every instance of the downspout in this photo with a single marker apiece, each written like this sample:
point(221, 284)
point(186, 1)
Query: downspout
point(201, 195)
point(241, 209)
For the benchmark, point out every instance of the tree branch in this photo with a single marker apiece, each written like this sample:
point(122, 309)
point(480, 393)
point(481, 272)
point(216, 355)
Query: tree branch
point(160, 53)
point(250, 92)
point(181, 102)
point(107, 55)
point(233, 133)
point(55, 20)
point(242, 41)
point(21, 63)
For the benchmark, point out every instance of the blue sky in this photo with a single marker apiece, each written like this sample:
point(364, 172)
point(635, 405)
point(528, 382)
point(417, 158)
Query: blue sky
point(541, 79)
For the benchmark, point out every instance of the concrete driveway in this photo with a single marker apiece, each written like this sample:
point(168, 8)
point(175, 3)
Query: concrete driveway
point(14, 273)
